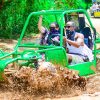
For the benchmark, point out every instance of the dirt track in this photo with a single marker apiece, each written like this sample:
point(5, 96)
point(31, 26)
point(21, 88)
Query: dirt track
point(96, 23)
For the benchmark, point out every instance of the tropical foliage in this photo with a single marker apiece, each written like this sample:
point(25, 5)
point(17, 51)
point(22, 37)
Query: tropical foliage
point(13, 13)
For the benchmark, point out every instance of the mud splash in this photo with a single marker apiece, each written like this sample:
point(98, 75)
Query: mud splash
point(44, 81)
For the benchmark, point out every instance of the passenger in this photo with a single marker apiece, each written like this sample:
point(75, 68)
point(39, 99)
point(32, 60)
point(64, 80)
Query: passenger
point(45, 33)
point(78, 52)
point(95, 7)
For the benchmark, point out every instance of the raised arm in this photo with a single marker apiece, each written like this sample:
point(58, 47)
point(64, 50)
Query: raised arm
point(40, 27)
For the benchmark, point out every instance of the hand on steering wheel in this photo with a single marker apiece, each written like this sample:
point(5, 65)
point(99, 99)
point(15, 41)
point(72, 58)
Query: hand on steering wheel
point(54, 39)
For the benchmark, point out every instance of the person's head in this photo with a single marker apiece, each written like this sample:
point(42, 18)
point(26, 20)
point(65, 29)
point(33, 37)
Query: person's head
point(54, 26)
point(70, 26)
point(94, 2)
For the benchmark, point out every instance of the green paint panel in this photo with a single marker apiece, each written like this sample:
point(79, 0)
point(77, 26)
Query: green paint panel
point(84, 69)
point(57, 56)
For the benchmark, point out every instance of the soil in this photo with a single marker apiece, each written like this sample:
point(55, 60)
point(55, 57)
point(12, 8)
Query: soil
point(52, 84)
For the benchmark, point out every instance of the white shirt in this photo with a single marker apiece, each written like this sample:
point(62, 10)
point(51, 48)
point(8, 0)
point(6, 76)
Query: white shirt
point(82, 50)
point(95, 7)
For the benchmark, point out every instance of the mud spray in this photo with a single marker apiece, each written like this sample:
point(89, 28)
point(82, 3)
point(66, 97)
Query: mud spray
point(46, 80)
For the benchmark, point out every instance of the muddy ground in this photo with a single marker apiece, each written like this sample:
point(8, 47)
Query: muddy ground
point(22, 85)
point(25, 90)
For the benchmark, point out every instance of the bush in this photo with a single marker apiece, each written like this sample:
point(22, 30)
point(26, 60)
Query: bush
point(13, 13)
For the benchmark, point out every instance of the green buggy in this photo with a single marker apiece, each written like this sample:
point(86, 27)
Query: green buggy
point(28, 51)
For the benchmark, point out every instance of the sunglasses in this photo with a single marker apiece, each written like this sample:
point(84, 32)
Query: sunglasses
point(67, 26)
point(52, 27)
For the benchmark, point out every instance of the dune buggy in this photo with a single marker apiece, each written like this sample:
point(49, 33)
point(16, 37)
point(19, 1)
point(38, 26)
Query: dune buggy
point(27, 52)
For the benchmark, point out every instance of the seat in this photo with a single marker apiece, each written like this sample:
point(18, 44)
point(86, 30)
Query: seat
point(87, 37)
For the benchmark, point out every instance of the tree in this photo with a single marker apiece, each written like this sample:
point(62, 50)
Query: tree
point(13, 13)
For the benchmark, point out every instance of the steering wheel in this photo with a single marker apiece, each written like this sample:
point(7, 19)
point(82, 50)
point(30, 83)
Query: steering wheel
point(54, 39)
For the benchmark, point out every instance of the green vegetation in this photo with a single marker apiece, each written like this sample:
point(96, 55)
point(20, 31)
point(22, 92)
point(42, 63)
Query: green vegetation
point(13, 13)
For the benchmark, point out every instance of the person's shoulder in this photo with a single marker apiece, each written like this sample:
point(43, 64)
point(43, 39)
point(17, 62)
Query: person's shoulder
point(79, 35)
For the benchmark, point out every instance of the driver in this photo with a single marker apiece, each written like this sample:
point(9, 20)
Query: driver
point(46, 34)
point(77, 49)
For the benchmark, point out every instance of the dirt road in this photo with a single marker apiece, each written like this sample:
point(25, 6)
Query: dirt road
point(96, 23)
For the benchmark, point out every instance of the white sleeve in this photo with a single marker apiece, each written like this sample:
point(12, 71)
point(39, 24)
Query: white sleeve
point(80, 41)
